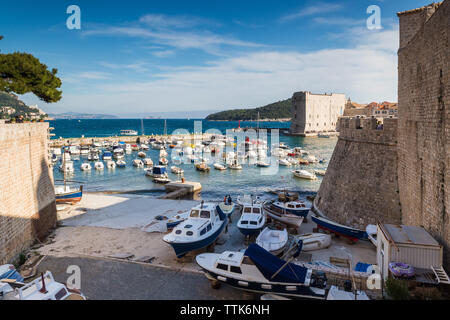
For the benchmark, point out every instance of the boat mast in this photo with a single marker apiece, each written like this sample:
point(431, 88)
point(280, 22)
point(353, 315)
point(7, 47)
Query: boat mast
point(165, 127)
point(142, 126)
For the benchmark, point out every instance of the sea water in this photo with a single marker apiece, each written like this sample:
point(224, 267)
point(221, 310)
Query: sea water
point(215, 184)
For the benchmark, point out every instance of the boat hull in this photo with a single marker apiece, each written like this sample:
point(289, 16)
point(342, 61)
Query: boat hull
point(70, 197)
point(182, 248)
point(347, 232)
point(299, 212)
point(300, 291)
point(250, 232)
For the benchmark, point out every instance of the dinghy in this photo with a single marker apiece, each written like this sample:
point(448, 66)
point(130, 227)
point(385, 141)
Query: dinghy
point(99, 166)
point(138, 163)
point(284, 162)
point(121, 164)
point(86, 167)
point(257, 270)
point(176, 170)
point(202, 228)
point(303, 174)
point(147, 162)
point(163, 161)
point(314, 241)
point(352, 234)
point(110, 164)
point(144, 147)
point(235, 166)
point(142, 154)
point(252, 220)
point(219, 166)
point(202, 167)
point(273, 240)
point(320, 172)
point(262, 164)
point(248, 199)
point(227, 206)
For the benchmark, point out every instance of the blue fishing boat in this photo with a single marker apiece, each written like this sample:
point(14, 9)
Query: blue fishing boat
point(297, 207)
point(203, 226)
point(8, 271)
point(339, 229)
point(257, 270)
point(107, 155)
point(66, 194)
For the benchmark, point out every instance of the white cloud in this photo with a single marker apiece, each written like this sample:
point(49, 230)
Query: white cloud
point(161, 21)
point(317, 8)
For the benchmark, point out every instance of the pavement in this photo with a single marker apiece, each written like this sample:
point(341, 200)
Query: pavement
point(103, 279)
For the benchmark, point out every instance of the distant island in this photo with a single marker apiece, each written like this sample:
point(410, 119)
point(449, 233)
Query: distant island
point(281, 110)
point(84, 116)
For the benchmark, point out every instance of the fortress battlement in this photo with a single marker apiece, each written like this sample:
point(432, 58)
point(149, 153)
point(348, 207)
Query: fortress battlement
point(362, 129)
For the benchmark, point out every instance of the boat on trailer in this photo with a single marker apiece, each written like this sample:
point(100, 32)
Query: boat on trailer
point(202, 228)
point(252, 220)
point(257, 270)
point(297, 207)
point(350, 233)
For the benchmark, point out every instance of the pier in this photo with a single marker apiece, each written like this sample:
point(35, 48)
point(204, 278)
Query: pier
point(181, 189)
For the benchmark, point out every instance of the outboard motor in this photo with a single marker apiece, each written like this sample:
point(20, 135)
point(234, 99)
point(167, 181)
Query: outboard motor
point(319, 280)
point(348, 286)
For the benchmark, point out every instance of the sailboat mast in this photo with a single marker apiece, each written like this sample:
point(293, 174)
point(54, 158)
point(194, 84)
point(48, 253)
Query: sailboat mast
point(142, 126)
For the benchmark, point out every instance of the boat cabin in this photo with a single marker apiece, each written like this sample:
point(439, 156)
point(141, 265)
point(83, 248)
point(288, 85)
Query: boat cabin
point(200, 221)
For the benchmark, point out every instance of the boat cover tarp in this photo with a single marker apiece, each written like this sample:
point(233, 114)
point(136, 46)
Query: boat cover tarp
point(222, 215)
point(159, 170)
point(269, 264)
point(12, 275)
point(362, 267)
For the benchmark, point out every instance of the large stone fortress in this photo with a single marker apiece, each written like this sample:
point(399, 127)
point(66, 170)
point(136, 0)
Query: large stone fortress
point(400, 173)
point(424, 119)
point(315, 113)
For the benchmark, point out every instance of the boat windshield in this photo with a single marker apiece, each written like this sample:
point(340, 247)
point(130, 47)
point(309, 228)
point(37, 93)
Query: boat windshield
point(194, 214)
point(205, 214)
point(248, 210)
point(256, 210)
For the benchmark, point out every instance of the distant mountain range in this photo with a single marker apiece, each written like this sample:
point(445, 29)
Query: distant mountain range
point(74, 115)
point(274, 111)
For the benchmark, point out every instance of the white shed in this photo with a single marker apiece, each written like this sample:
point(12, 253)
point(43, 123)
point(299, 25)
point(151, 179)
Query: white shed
point(407, 244)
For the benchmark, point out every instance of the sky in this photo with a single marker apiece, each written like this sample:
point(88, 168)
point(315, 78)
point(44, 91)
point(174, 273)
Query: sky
point(140, 57)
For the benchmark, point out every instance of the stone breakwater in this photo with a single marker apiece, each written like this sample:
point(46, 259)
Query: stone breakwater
point(361, 185)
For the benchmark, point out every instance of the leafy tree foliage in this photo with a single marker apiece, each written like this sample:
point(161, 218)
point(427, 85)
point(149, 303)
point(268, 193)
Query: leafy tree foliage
point(277, 110)
point(23, 73)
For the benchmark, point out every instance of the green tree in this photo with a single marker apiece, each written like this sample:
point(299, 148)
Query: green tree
point(23, 73)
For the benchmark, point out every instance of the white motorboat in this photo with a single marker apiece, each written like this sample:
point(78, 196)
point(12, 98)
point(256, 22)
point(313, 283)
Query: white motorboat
point(128, 132)
point(121, 164)
point(257, 270)
point(303, 174)
point(144, 147)
point(320, 172)
point(163, 153)
point(273, 240)
point(66, 166)
point(86, 167)
point(284, 162)
point(163, 161)
point(176, 170)
point(219, 166)
point(147, 162)
point(162, 180)
point(93, 156)
point(314, 241)
point(311, 159)
point(128, 148)
point(252, 220)
point(142, 154)
point(66, 156)
point(157, 172)
point(202, 228)
point(235, 166)
point(99, 165)
point(42, 288)
point(262, 164)
point(74, 150)
point(110, 164)
point(138, 163)
point(118, 153)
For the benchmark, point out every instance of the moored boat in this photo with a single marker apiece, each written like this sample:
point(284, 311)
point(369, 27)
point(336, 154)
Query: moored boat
point(67, 194)
point(110, 164)
point(303, 174)
point(99, 165)
point(202, 166)
point(219, 166)
point(163, 161)
point(86, 167)
point(282, 216)
point(176, 170)
point(147, 162)
point(138, 163)
point(121, 164)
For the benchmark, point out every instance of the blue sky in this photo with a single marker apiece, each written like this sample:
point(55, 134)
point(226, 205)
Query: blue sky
point(139, 57)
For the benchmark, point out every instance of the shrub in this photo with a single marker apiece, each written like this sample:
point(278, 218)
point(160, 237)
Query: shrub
point(397, 289)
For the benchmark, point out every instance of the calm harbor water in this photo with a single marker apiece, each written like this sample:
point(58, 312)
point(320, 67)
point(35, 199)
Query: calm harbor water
point(215, 184)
